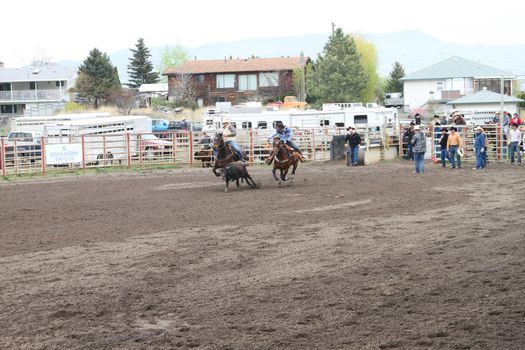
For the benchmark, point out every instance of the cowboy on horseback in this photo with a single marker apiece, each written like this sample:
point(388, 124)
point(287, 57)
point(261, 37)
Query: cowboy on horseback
point(285, 134)
point(229, 133)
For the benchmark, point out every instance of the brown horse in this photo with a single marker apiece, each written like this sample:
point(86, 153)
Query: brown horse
point(225, 154)
point(285, 157)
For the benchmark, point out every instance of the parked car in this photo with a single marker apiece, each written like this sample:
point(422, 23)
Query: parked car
point(159, 125)
point(27, 146)
point(184, 126)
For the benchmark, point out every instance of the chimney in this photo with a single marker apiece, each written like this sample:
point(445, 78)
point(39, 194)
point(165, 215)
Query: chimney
point(302, 57)
point(195, 58)
point(1, 65)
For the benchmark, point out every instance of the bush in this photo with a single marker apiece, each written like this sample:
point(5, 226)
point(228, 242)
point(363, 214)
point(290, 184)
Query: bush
point(75, 107)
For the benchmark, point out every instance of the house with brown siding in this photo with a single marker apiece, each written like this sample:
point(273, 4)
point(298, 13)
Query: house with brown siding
point(238, 80)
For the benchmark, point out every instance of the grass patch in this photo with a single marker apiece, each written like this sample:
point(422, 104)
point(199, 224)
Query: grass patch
point(64, 172)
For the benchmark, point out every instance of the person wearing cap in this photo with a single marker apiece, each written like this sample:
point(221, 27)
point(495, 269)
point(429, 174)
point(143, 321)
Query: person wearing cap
point(354, 141)
point(443, 119)
point(229, 133)
point(443, 146)
point(285, 134)
point(479, 147)
point(417, 119)
point(514, 141)
point(419, 142)
point(407, 137)
point(183, 124)
point(516, 119)
point(454, 144)
point(495, 120)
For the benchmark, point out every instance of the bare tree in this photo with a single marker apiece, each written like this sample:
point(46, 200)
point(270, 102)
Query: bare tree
point(124, 100)
point(42, 60)
point(182, 91)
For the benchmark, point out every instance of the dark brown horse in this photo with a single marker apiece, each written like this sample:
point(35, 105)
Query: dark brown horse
point(225, 154)
point(285, 157)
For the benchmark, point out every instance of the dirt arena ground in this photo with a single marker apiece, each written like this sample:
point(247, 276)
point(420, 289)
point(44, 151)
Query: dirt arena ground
point(348, 258)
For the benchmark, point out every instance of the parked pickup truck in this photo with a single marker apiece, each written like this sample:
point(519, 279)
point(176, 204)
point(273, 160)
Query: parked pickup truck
point(27, 145)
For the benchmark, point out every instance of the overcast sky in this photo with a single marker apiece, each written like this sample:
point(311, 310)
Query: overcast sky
point(63, 30)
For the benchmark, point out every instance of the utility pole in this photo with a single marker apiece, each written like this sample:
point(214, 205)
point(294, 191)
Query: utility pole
point(333, 28)
point(502, 102)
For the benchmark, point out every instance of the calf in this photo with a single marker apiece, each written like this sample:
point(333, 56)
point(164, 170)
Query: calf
point(205, 156)
point(234, 172)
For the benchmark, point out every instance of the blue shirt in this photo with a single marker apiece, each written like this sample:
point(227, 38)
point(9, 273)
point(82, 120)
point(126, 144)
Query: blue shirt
point(479, 141)
point(285, 135)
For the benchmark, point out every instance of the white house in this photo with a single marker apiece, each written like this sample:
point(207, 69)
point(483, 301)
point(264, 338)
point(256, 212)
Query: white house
point(486, 100)
point(32, 91)
point(451, 79)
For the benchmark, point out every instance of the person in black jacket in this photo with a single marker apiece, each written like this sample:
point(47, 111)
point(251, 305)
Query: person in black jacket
point(443, 145)
point(354, 141)
point(407, 139)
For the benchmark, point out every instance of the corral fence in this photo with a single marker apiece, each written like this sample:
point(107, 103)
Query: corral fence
point(20, 155)
point(496, 142)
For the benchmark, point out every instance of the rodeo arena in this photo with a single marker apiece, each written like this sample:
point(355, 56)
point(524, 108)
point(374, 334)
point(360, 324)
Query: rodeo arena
point(289, 248)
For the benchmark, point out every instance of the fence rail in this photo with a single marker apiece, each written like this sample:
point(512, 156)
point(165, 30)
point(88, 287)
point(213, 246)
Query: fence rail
point(20, 156)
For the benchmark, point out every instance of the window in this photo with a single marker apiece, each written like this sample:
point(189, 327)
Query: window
point(274, 124)
point(5, 87)
point(199, 78)
point(267, 79)
point(439, 86)
point(8, 109)
point(324, 122)
point(262, 125)
point(225, 81)
point(340, 125)
point(32, 85)
point(360, 119)
point(59, 83)
point(246, 125)
point(248, 82)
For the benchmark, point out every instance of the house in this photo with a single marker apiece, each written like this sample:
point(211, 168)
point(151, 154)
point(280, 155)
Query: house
point(33, 91)
point(237, 80)
point(149, 91)
point(452, 79)
point(486, 100)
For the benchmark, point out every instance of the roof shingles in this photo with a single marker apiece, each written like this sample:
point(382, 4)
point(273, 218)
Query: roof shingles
point(455, 67)
point(238, 65)
point(484, 97)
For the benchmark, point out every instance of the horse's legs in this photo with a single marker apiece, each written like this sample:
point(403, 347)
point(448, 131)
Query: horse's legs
point(283, 174)
point(274, 174)
point(226, 188)
point(250, 181)
point(237, 182)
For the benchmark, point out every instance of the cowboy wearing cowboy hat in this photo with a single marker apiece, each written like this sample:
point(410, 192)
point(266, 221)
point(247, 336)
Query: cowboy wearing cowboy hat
point(229, 133)
point(479, 147)
point(454, 146)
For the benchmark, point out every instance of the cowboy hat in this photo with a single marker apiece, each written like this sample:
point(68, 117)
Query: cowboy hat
point(226, 120)
point(478, 128)
point(417, 127)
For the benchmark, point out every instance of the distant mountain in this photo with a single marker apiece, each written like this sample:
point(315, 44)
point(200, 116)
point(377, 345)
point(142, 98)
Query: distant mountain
point(413, 49)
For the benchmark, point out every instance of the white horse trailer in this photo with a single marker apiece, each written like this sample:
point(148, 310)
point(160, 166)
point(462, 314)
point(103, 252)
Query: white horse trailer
point(104, 138)
point(332, 116)
point(36, 124)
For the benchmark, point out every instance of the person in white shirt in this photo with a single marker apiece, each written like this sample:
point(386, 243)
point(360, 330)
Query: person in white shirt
point(514, 143)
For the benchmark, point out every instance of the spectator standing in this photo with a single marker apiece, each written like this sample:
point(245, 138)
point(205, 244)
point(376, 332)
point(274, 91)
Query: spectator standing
point(514, 142)
point(454, 144)
point(407, 137)
point(479, 148)
point(417, 119)
point(495, 120)
point(419, 142)
point(516, 119)
point(443, 145)
point(354, 141)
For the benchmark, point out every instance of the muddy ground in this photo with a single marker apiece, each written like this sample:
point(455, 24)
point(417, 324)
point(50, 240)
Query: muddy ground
point(348, 258)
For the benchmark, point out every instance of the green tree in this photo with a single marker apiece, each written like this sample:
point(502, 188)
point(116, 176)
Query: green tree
point(140, 68)
point(338, 75)
point(171, 57)
point(394, 83)
point(368, 53)
point(97, 77)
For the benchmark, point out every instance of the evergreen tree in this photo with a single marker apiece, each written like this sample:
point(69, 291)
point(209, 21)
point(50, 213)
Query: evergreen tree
point(394, 83)
point(140, 68)
point(97, 77)
point(338, 75)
